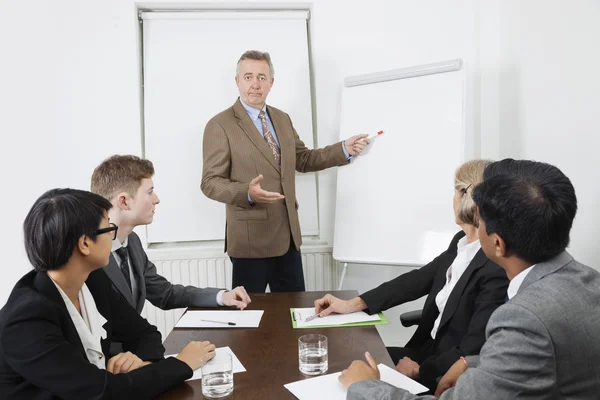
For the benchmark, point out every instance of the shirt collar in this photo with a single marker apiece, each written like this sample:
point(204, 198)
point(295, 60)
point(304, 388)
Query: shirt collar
point(116, 245)
point(515, 283)
point(89, 324)
point(253, 112)
point(471, 249)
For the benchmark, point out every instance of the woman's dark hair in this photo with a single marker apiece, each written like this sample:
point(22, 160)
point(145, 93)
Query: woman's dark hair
point(55, 223)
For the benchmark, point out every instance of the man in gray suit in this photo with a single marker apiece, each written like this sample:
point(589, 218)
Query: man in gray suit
point(126, 181)
point(543, 343)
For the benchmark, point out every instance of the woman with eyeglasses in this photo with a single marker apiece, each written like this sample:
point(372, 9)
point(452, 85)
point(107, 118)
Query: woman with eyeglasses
point(60, 319)
point(463, 289)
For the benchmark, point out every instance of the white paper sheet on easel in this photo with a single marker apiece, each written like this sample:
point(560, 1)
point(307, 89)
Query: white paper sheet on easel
point(329, 387)
point(241, 319)
point(332, 319)
point(237, 365)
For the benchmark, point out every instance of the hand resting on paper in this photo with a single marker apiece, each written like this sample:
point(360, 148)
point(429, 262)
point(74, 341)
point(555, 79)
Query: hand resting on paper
point(196, 354)
point(360, 371)
point(328, 304)
point(236, 297)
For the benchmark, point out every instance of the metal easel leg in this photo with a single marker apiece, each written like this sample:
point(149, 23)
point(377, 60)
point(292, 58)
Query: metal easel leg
point(343, 276)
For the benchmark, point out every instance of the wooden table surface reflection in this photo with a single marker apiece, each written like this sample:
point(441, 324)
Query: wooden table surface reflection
point(270, 352)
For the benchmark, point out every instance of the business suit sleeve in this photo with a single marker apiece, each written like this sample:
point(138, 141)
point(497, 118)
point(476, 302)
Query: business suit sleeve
point(216, 169)
point(311, 160)
point(166, 296)
point(491, 293)
point(516, 361)
point(406, 287)
point(34, 346)
point(378, 390)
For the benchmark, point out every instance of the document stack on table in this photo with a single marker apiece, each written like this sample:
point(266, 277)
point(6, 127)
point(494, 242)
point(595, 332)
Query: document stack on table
point(305, 318)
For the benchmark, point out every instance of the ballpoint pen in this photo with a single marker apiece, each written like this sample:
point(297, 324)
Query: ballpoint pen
point(311, 318)
point(219, 322)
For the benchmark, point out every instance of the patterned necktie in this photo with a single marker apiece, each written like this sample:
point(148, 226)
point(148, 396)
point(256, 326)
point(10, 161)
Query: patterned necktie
point(270, 138)
point(124, 265)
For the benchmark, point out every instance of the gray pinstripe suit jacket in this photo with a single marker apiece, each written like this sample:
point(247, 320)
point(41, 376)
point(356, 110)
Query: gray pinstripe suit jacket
point(234, 153)
point(542, 344)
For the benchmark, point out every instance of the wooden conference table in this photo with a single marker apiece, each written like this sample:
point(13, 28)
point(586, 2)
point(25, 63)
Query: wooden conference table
point(270, 352)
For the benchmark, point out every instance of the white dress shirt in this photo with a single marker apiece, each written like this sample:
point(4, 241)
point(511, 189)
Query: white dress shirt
point(464, 256)
point(134, 283)
point(515, 283)
point(89, 324)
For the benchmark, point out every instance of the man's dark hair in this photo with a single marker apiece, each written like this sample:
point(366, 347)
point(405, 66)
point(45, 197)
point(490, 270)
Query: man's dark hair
point(530, 205)
point(55, 223)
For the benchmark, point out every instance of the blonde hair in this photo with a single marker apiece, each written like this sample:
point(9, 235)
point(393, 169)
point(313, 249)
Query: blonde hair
point(256, 55)
point(120, 173)
point(467, 176)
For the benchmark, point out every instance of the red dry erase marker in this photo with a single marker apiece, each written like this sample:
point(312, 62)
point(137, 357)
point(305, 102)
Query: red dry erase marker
point(375, 135)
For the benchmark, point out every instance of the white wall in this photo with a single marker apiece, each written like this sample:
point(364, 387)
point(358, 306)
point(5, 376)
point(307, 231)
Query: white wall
point(540, 92)
point(69, 97)
point(69, 79)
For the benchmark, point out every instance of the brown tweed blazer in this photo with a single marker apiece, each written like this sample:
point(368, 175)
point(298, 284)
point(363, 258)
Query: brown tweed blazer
point(234, 153)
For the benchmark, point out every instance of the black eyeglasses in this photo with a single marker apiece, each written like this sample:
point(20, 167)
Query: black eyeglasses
point(111, 228)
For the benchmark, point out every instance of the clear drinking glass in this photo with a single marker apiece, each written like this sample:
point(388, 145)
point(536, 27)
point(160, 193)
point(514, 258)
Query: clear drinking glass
point(312, 354)
point(217, 376)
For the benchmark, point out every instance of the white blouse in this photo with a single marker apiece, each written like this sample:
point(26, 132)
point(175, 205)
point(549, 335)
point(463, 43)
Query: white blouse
point(88, 324)
point(464, 255)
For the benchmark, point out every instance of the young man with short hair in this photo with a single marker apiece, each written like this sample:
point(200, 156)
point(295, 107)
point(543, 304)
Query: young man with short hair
point(126, 181)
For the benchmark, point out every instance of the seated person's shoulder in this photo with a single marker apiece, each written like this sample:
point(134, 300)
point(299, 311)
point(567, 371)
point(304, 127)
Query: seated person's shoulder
point(454, 242)
point(98, 281)
point(25, 303)
point(134, 239)
point(490, 268)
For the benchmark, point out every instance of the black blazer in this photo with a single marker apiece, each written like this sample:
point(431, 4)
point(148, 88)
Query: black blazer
point(480, 290)
point(41, 355)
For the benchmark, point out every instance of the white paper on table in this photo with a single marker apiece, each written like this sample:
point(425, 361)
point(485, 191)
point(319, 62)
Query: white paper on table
point(236, 364)
point(242, 319)
point(332, 319)
point(329, 387)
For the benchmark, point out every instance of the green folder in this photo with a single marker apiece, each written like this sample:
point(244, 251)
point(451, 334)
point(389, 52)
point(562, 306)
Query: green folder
point(382, 321)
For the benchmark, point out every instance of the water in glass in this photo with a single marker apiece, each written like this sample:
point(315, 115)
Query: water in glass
point(313, 360)
point(217, 384)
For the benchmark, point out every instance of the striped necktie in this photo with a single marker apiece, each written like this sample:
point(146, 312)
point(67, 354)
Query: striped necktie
point(124, 265)
point(270, 138)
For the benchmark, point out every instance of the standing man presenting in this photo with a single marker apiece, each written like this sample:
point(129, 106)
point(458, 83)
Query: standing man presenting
point(251, 152)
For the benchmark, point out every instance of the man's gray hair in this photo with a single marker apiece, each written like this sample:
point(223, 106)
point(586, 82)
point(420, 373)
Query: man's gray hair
point(256, 55)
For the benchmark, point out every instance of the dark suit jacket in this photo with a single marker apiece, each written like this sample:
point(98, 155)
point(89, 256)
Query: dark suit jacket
point(41, 355)
point(234, 153)
point(480, 290)
point(159, 291)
